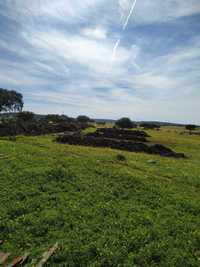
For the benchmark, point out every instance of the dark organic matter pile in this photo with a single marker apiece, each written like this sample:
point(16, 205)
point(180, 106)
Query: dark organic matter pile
point(77, 139)
point(120, 134)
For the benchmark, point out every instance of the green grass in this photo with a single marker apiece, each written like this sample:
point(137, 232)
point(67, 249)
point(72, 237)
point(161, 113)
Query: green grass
point(103, 212)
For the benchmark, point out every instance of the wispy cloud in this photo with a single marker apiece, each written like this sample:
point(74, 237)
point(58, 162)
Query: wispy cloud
point(59, 54)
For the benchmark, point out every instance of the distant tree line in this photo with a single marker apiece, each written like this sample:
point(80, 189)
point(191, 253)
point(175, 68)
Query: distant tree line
point(12, 101)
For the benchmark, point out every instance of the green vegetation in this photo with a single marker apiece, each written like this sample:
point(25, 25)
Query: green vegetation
point(150, 126)
point(83, 118)
point(10, 101)
point(190, 127)
point(125, 123)
point(25, 116)
point(143, 210)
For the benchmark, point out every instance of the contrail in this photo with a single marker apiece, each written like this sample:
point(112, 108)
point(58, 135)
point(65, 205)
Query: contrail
point(129, 15)
point(115, 49)
point(124, 28)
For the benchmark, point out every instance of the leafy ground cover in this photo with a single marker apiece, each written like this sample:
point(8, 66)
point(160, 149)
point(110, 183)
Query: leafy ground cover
point(143, 210)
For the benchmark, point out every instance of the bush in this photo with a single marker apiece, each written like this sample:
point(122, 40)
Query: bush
point(125, 123)
point(83, 118)
point(25, 116)
point(54, 118)
point(190, 127)
point(8, 127)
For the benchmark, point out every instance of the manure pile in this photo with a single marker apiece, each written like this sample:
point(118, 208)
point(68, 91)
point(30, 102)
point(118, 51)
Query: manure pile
point(137, 136)
point(133, 141)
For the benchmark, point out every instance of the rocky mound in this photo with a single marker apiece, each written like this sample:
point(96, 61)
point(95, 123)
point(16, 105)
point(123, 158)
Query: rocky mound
point(119, 134)
point(77, 139)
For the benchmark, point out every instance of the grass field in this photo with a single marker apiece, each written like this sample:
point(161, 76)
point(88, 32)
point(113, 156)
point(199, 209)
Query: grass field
point(101, 211)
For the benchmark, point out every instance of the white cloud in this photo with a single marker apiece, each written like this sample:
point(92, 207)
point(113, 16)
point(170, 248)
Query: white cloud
point(96, 33)
point(148, 11)
point(90, 53)
point(107, 12)
point(63, 51)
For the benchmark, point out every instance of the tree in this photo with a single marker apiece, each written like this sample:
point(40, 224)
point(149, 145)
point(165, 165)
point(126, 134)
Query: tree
point(125, 123)
point(83, 118)
point(10, 101)
point(190, 127)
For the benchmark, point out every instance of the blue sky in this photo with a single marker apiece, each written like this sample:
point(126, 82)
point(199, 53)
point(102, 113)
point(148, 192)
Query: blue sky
point(59, 54)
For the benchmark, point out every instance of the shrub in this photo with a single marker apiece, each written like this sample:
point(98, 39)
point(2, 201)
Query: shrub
point(8, 127)
point(83, 118)
point(25, 116)
point(190, 127)
point(125, 123)
point(55, 118)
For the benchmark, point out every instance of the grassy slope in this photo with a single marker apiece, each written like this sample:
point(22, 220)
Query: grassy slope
point(101, 211)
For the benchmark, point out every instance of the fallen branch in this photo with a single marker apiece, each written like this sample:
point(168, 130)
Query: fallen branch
point(47, 255)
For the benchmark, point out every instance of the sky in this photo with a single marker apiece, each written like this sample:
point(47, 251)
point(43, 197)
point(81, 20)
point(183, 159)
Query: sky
point(93, 57)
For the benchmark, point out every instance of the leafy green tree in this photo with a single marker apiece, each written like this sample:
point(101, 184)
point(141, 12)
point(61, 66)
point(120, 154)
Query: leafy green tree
point(10, 101)
point(125, 123)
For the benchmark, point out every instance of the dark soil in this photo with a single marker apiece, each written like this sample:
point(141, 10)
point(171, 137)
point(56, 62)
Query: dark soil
point(77, 139)
point(113, 133)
